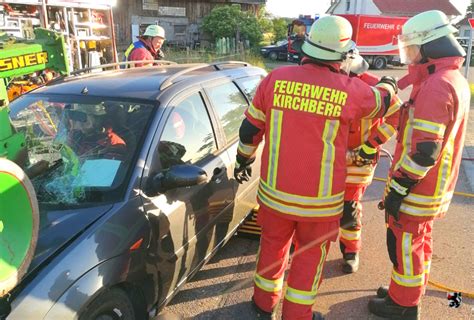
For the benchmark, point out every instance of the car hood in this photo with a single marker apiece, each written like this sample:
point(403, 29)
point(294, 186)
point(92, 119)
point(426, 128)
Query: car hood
point(58, 227)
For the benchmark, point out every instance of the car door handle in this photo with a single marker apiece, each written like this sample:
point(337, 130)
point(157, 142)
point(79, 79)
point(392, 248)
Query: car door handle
point(217, 174)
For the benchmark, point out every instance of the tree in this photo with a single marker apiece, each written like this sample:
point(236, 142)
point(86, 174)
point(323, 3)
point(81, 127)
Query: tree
point(264, 20)
point(231, 21)
point(470, 9)
point(280, 27)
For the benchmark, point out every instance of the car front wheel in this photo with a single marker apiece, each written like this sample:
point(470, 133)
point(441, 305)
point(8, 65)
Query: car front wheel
point(273, 56)
point(113, 304)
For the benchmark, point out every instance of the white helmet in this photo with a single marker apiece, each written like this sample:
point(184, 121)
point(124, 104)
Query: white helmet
point(421, 29)
point(155, 30)
point(329, 39)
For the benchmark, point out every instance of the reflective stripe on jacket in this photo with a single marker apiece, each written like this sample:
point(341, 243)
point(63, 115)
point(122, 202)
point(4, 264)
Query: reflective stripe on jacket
point(304, 112)
point(436, 114)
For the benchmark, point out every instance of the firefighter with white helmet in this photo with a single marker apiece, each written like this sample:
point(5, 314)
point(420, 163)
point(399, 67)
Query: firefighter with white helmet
point(427, 158)
point(303, 112)
point(148, 46)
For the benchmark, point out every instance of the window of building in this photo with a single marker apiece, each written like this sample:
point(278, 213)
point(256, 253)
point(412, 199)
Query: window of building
point(179, 29)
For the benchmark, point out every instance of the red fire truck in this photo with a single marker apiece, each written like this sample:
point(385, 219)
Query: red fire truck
point(297, 30)
point(376, 38)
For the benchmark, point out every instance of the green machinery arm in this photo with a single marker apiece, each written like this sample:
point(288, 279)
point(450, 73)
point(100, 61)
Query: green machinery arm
point(22, 57)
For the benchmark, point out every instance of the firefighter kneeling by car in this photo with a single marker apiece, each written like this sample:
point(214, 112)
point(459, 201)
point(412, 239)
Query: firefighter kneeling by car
point(304, 114)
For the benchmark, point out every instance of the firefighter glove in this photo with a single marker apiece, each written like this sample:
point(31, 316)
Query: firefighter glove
point(393, 200)
point(388, 80)
point(242, 172)
point(366, 155)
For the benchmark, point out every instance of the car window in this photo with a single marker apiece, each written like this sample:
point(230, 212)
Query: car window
point(230, 106)
point(249, 85)
point(79, 148)
point(188, 136)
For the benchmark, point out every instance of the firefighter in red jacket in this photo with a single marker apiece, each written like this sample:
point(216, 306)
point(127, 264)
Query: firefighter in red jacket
point(365, 139)
point(427, 158)
point(148, 46)
point(304, 114)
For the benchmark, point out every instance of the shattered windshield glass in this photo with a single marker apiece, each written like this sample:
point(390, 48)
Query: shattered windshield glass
point(78, 149)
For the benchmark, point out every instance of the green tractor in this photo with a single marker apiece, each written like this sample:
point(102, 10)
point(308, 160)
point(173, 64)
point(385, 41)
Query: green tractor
point(19, 214)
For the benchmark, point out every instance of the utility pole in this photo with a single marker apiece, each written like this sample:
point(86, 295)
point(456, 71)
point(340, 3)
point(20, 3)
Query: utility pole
point(469, 46)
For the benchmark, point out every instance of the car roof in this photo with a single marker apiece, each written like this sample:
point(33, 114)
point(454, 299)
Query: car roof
point(145, 82)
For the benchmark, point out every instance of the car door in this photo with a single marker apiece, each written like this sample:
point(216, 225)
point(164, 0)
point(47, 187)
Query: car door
point(230, 104)
point(183, 219)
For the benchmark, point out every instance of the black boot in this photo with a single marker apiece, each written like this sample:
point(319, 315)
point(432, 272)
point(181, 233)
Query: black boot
point(387, 308)
point(351, 262)
point(262, 314)
point(317, 316)
point(382, 292)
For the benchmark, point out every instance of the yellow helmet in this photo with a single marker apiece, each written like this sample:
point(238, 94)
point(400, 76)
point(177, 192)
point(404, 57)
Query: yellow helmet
point(155, 30)
point(425, 27)
point(329, 39)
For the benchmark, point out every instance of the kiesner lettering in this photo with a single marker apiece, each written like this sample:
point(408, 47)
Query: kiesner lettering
point(25, 60)
point(305, 97)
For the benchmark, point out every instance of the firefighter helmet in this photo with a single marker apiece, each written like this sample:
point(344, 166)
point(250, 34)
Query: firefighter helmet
point(329, 39)
point(155, 30)
point(421, 29)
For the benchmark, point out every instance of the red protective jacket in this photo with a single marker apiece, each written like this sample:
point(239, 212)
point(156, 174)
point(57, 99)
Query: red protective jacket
point(305, 112)
point(374, 131)
point(432, 126)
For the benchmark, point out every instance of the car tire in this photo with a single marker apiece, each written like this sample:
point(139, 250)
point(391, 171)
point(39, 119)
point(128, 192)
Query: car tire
point(273, 56)
point(113, 304)
point(379, 63)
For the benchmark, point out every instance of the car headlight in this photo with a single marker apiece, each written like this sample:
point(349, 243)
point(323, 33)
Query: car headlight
point(263, 50)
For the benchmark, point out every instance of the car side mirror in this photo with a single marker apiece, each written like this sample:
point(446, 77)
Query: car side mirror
point(178, 176)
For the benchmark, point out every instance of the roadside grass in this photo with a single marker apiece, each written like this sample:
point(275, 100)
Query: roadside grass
point(200, 56)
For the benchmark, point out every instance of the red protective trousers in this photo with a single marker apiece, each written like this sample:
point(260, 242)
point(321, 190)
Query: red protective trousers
point(312, 242)
point(410, 246)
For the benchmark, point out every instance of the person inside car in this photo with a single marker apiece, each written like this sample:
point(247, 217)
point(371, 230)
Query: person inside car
point(91, 134)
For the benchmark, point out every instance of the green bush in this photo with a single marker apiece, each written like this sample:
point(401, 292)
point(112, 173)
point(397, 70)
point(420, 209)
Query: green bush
point(229, 21)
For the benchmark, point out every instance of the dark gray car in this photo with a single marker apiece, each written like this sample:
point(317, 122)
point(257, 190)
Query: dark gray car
point(139, 191)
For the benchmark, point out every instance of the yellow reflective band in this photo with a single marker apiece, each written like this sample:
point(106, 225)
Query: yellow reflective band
point(268, 285)
point(428, 126)
point(300, 296)
point(367, 170)
point(319, 269)
point(429, 200)
point(444, 170)
point(350, 235)
point(406, 254)
point(256, 113)
point(301, 200)
point(378, 104)
point(274, 143)
point(129, 49)
point(298, 211)
point(394, 107)
point(358, 179)
point(411, 166)
point(427, 266)
point(246, 149)
point(331, 128)
point(386, 130)
point(424, 212)
point(408, 281)
point(365, 125)
point(406, 141)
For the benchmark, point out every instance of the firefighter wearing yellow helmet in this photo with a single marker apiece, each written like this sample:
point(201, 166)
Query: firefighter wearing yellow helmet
point(148, 46)
point(303, 113)
point(427, 158)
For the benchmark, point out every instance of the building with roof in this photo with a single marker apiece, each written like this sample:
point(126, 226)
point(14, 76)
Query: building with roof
point(403, 8)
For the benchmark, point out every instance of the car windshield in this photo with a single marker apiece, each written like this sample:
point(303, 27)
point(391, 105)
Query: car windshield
point(78, 149)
